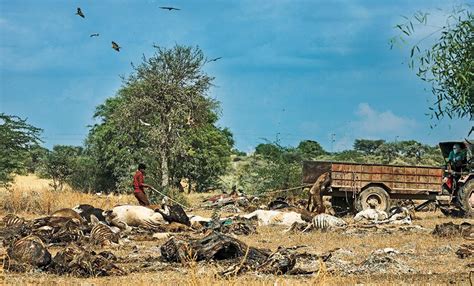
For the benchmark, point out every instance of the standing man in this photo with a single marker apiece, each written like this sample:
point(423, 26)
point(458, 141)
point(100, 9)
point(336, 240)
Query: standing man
point(139, 185)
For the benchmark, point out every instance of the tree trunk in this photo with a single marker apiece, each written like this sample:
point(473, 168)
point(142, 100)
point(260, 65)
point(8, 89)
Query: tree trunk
point(190, 188)
point(165, 176)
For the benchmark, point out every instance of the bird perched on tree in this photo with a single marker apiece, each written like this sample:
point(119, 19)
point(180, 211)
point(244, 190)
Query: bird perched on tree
point(79, 13)
point(214, 60)
point(94, 35)
point(115, 46)
point(170, 8)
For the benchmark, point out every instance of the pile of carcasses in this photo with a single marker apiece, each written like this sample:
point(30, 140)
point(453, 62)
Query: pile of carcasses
point(75, 232)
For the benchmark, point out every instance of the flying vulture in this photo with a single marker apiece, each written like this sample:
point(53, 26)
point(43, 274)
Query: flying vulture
point(215, 59)
point(115, 46)
point(79, 12)
point(170, 8)
point(94, 35)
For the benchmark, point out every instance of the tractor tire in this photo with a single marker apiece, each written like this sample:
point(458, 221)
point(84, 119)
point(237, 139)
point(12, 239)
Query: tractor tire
point(466, 198)
point(372, 197)
point(341, 206)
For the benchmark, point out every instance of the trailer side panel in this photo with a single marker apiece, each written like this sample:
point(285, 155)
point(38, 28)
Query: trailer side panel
point(398, 179)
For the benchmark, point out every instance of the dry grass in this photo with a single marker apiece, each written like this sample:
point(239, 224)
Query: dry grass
point(32, 195)
point(433, 258)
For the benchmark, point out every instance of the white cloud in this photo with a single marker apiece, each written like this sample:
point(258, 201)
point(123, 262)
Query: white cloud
point(374, 124)
point(371, 122)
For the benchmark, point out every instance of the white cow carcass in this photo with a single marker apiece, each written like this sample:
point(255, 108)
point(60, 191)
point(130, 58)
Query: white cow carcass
point(198, 221)
point(274, 217)
point(371, 215)
point(326, 222)
point(130, 215)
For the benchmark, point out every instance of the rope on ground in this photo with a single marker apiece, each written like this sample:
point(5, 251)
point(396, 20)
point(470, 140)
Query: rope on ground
point(164, 195)
point(284, 190)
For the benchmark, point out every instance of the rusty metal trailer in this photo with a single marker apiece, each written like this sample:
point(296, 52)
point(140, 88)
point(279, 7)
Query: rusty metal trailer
point(374, 185)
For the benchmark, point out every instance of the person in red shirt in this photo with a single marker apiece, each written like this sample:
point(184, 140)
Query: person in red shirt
point(139, 185)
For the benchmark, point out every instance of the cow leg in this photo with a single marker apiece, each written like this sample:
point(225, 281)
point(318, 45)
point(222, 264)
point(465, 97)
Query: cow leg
point(315, 192)
point(309, 202)
point(120, 224)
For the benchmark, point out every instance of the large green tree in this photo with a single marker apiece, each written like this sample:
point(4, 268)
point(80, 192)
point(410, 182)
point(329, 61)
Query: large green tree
point(167, 95)
point(162, 116)
point(16, 140)
point(445, 59)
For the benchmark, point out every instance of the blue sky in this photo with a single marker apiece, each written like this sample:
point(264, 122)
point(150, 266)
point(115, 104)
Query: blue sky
point(291, 70)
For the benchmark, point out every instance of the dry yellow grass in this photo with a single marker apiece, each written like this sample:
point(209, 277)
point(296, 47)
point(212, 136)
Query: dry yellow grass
point(432, 257)
point(32, 195)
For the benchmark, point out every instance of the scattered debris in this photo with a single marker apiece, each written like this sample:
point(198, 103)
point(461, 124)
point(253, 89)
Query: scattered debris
point(215, 246)
point(238, 226)
point(77, 261)
point(442, 249)
point(380, 261)
point(383, 261)
point(465, 251)
point(230, 209)
point(339, 261)
point(464, 229)
point(278, 203)
point(279, 262)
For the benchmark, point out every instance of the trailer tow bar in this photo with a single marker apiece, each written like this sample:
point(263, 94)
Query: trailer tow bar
point(423, 205)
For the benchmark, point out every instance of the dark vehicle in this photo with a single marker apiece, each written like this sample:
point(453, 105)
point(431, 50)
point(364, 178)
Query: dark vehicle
point(458, 180)
point(361, 186)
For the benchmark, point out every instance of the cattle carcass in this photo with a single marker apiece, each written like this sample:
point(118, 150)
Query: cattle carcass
point(69, 213)
point(30, 250)
point(138, 216)
point(103, 234)
point(12, 220)
point(400, 215)
point(273, 217)
point(199, 221)
point(371, 215)
point(174, 213)
point(326, 222)
point(86, 211)
point(77, 261)
point(57, 229)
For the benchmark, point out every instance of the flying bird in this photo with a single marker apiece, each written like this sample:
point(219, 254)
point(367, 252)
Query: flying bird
point(215, 59)
point(170, 8)
point(115, 46)
point(94, 35)
point(79, 12)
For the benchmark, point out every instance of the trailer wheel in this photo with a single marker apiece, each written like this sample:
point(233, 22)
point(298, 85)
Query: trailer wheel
point(466, 198)
point(372, 197)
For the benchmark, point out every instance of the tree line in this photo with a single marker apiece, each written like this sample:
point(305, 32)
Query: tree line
point(163, 116)
point(207, 160)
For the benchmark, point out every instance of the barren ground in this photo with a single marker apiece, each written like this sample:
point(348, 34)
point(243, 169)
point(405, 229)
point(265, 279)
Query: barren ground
point(431, 260)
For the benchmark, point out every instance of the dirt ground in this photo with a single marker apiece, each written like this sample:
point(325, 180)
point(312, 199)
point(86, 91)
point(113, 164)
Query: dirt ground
point(422, 259)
